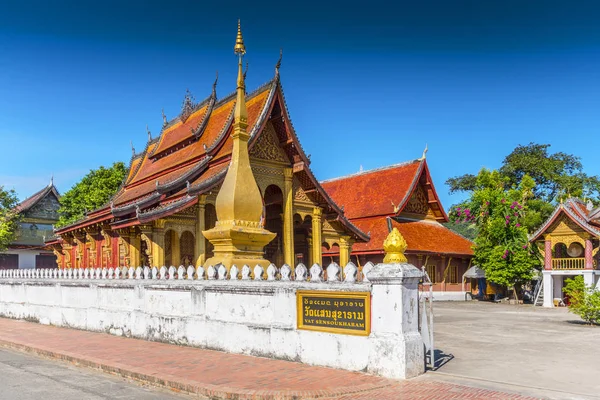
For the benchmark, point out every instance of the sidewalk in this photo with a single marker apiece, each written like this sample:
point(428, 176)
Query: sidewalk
point(214, 374)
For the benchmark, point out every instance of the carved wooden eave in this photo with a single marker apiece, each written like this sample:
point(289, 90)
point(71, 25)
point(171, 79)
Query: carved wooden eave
point(566, 210)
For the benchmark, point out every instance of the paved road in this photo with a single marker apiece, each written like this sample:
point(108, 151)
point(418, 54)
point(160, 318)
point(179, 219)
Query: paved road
point(536, 351)
point(28, 377)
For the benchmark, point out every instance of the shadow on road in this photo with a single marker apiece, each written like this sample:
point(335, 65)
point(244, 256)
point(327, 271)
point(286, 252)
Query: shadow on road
point(441, 358)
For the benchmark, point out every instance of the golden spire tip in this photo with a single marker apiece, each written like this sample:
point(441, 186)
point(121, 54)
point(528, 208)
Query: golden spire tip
point(239, 48)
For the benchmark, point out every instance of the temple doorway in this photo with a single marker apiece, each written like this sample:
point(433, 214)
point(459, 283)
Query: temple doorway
point(302, 230)
point(186, 248)
point(273, 200)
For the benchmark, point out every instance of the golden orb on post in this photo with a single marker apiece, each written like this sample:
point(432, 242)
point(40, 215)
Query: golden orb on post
point(394, 247)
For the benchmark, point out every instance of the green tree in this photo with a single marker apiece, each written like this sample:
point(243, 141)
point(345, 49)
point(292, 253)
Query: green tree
point(9, 217)
point(93, 191)
point(499, 211)
point(556, 176)
point(583, 301)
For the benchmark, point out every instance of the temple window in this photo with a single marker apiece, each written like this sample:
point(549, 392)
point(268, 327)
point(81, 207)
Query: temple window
point(453, 274)
point(432, 272)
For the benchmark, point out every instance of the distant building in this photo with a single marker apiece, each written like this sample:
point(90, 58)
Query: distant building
point(405, 193)
point(569, 241)
point(38, 213)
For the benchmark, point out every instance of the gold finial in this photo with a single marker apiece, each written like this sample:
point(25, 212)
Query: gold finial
point(394, 247)
point(239, 48)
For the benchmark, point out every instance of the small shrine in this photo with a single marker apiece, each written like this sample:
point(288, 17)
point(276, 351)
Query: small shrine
point(569, 241)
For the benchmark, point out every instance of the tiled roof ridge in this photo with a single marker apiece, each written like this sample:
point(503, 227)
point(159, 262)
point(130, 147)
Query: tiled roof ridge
point(208, 183)
point(434, 222)
point(197, 107)
point(387, 167)
point(185, 177)
point(160, 210)
point(37, 196)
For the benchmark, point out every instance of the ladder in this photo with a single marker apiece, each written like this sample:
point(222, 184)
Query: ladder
point(538, 294)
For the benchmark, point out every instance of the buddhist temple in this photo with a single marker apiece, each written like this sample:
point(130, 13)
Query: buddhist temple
point(404, 194)
point(38, 213)
point(230, 169)
point(569, 241)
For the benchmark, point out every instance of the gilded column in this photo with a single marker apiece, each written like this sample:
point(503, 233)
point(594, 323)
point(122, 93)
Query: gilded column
point(589, 260)
point(345, 247)
point(548, 255)
point(175, 253)
point(158, 235)
point(200, 250)
point(316, 236)
point(310, 251)
point(134, 249)
point(288, 218)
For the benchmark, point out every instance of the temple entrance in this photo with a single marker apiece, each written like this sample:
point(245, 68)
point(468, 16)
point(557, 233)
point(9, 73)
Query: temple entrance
point(302, 229)
point(273, 200)
point(186, 248)
point(210, 220)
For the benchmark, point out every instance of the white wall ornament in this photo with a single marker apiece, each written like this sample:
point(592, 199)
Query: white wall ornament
point(222, 272)
point(316, 273)
point(181, 272)
point(211, 273)
point(246, 272)
point(333, 272)
point(350, 272)
point(365, 271)
point(272, 272)
point(285, 272)
point(233, 273)
point(190, 272)
point(259, 272)
point(163, 272)
point(301, 272)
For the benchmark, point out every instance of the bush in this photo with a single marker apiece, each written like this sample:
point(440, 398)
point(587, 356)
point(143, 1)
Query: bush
point(583, 301)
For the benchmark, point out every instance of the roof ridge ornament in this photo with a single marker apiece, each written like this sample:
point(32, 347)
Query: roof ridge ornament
point(278, 65)
point(132, 149)
point(424, 153)
point(214, 90)
point(187, 107)
point(164, 117)
point(149, 133)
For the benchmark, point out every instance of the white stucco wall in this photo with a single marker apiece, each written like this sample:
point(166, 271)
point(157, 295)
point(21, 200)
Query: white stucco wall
point(249, 317)
point(26, 257)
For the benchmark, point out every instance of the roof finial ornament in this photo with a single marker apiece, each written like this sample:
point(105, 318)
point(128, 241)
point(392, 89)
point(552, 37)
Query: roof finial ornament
point(149, 133)
point(214, 92)
point(132, 149)
point(51, 180)
point(589, 206)
point(278, 65)
point(164, 117)
point(424, 153)
point(188, 105)
point(246, 71)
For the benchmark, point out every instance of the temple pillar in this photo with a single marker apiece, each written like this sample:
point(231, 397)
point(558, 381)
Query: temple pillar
point(175, 247)
point(316, 236)
point(288, 218)
point(547, 255)
point(345, 246)
point(158, 243)
point(200, 247)
point(134, 249)
point(589, 259)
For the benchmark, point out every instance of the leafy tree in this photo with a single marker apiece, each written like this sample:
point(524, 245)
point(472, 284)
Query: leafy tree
point(583, 301)
point(93, 191)
point(9, 217)
point(500, 210)
point(556, 176)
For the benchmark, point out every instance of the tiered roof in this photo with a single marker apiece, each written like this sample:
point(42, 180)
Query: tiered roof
point(584, 215)
point(369, 197)
point(192, 154)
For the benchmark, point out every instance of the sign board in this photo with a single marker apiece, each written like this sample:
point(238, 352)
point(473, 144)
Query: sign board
point(334, 312)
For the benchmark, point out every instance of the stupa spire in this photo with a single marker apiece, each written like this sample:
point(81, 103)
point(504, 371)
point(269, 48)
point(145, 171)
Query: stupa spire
point(238, 236)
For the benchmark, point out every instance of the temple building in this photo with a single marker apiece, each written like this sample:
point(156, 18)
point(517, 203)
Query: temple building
point(167, 207)
point(404, 194)
point(38, 213)
point(569, 241)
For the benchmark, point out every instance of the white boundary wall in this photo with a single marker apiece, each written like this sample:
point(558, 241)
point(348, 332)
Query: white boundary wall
point(255, 317)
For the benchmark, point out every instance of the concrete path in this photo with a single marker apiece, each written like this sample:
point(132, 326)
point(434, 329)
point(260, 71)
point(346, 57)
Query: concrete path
point(214, 374)
point(27, 377)
point(538, 351)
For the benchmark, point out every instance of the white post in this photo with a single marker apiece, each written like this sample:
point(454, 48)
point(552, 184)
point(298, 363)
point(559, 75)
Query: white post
point(397, 347)
point(588, 278)
point(548, 288)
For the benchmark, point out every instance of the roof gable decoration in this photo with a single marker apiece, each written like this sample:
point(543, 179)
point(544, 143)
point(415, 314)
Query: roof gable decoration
point(566, 209)
point(38, 197)
point(422, 198)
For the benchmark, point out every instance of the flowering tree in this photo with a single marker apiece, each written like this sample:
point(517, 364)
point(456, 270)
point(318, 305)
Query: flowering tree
point(500, 213)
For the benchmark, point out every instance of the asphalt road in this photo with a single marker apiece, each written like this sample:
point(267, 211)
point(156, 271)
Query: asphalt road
point(536, 351)
point(27, 377)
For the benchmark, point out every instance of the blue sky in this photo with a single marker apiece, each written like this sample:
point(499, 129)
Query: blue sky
point(367, 85)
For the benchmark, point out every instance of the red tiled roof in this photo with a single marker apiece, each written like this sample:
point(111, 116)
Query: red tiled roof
point(373, 192)
point(421, 236)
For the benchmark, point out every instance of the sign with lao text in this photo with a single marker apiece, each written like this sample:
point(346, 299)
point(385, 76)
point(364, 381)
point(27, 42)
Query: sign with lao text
point(334, 312)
